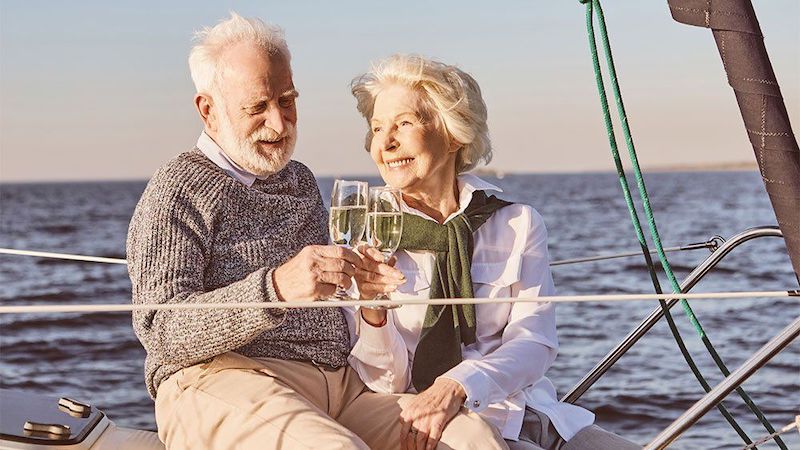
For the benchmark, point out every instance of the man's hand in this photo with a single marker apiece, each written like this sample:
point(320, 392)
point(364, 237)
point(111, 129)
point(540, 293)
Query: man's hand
point(423, 420)
point(315, 272)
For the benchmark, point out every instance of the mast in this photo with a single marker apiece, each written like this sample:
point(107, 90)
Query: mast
point(744, 57)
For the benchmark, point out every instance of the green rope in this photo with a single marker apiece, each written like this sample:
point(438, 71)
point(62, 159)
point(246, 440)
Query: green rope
point(636, 224)
point(590, 8)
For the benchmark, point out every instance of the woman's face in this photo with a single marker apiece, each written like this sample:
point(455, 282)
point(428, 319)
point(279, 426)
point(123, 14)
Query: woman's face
point(412, 153)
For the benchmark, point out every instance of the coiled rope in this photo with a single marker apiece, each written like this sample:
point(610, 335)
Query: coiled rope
point(592, 7)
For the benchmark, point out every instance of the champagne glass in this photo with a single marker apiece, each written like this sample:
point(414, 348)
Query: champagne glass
point(384, 222)
point(347, 218)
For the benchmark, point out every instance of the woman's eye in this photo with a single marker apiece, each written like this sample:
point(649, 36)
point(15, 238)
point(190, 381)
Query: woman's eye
point(376, 129)
point(405, 123)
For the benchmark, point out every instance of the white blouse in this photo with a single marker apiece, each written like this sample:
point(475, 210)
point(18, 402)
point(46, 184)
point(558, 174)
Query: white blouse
point(503, 371)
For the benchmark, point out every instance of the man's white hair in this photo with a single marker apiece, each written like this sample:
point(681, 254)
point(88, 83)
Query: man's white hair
point(449, 94)
point(204, 59)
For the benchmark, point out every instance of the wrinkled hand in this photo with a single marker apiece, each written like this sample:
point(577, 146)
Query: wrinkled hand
point(315, 272)
point(375, 276)
point(429, 413)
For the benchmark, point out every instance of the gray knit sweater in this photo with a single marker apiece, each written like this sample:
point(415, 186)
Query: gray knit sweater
point(200, 236)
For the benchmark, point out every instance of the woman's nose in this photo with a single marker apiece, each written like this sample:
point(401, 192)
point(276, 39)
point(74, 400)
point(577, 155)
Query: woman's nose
point(389, 143)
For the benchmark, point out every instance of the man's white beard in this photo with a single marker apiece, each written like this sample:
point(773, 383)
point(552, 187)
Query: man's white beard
point(246, 153)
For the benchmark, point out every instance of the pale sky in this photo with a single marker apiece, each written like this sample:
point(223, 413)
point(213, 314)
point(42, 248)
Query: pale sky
point(93, 90)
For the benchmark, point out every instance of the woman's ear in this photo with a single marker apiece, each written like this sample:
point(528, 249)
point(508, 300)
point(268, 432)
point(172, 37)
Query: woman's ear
point(455, 146)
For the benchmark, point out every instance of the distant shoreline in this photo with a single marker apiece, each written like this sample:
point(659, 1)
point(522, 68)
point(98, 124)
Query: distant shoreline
point(713, 167)
point(482, 171)
point(744, 166)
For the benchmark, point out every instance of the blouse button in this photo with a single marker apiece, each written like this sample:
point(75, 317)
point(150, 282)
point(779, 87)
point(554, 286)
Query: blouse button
point(476, 403)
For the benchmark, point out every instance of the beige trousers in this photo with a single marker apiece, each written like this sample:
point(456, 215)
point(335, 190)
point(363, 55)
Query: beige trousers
point(234, 402)
point(539, 434)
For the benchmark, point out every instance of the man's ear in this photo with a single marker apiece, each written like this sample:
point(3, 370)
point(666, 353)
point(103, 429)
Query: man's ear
point(208, 111)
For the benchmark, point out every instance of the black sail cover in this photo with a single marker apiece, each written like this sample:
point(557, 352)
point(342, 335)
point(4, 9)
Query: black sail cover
point(744, 57)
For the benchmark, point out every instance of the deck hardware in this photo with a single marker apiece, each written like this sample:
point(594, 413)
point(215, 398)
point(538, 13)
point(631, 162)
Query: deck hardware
point(56, 430)
point(74, 408)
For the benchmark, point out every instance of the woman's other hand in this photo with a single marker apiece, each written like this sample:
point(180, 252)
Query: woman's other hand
point(423, 420)
point(376, 277)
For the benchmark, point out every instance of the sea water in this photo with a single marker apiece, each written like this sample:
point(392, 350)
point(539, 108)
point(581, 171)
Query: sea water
point(95, 357)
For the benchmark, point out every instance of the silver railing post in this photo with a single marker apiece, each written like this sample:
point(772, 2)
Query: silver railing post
point(633, 337)
point(720, 391)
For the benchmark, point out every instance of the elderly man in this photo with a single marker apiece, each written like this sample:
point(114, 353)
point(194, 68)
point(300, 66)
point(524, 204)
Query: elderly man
point(234, 220)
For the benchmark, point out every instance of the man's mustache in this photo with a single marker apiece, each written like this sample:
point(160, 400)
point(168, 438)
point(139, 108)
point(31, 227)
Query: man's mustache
point(270, 135)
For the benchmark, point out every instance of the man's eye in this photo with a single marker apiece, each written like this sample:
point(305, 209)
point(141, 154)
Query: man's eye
point(405, 123)
point(376, 129)
point(286, 102)
point(257, 109)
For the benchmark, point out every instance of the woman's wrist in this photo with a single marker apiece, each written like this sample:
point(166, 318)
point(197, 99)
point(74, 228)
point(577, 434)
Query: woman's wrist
point(454, 388)
point(375, 318)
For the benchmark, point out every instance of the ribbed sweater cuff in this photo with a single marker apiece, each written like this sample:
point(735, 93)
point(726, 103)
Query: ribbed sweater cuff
point(270, 294)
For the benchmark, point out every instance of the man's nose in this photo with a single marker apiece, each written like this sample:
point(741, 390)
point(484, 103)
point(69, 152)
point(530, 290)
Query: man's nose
point(276, 120)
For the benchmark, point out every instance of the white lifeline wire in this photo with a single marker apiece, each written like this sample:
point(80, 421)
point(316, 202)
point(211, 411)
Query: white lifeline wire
point(100, 259)
point(19, 309)
point(765, 439)
point(383, 303)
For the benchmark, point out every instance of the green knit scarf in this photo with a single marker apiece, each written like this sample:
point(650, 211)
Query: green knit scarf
point(446, 327)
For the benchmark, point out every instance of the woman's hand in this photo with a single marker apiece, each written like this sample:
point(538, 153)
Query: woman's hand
point(374, 276)
point(424, 419)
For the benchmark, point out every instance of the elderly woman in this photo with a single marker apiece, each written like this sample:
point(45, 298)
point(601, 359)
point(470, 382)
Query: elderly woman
point(427, 127)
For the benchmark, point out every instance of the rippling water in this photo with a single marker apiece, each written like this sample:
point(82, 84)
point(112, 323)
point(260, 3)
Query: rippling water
point(96, 357)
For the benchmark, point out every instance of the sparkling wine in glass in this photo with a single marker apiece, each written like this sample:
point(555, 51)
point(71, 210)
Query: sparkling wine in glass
point(348, 217)
point(384, 222)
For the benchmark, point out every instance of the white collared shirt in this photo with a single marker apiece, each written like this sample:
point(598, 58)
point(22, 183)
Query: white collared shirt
point(503, 371)
point(215, 153)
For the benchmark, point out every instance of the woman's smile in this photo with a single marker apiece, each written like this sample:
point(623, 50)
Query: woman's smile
point(397, 163)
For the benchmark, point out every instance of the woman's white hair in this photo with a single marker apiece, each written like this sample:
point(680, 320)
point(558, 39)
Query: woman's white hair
point(211, 43)
point(451, 96)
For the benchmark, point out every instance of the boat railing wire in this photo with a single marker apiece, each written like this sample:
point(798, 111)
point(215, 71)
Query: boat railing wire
point(711, 244)
point(291, 304)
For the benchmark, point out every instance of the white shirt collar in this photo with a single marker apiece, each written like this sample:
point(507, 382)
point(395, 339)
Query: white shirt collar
point(467, 185)
point(215, 153)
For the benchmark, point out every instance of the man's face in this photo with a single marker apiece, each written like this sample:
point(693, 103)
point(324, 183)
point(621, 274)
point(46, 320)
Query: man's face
point(255, 109)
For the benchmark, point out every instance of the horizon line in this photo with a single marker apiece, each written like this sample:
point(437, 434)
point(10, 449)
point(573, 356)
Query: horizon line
point(484, 172)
